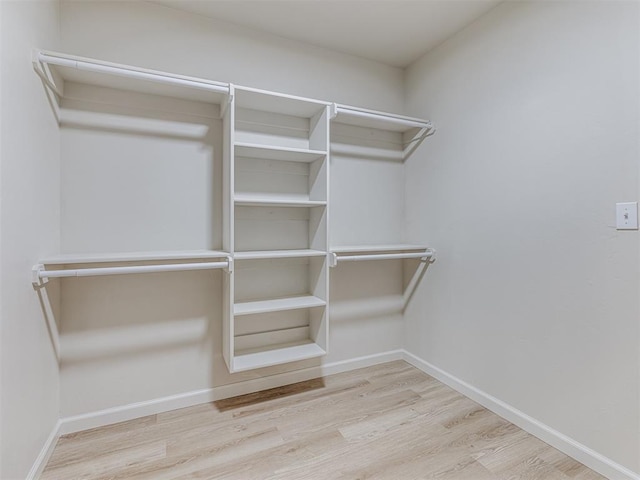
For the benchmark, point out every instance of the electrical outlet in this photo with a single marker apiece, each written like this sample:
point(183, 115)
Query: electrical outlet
point(627, 216)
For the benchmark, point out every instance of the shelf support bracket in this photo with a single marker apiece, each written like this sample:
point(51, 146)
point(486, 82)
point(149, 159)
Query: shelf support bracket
point(39, 282)
point(38, 66)
point(413, 143)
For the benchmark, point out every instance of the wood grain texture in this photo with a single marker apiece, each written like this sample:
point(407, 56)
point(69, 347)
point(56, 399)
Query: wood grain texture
point(390, 421)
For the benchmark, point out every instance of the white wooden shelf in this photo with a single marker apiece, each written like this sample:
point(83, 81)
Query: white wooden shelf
point(275, 355)
point(266, 254)
point(271, 152)
point(277, 305)
point(400, 247)
point(255, 200)
point(359, 253)
point(80, 258)
point(186, 261)
point(71, 68)
point(279, 103)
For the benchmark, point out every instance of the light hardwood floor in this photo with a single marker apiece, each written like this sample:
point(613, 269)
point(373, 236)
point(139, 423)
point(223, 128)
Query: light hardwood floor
point(389, 421)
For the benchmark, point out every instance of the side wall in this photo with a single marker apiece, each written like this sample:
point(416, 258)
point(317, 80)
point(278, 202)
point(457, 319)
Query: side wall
point(534, 297)
point(29, 228)
point(139, 338)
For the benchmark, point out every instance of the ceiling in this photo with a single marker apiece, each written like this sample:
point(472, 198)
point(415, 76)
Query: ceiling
point(394, 32)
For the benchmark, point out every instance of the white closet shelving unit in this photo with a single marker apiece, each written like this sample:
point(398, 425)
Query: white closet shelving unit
point(55, 70)
point(411, 132)
point(275, 222)
point(276, 166)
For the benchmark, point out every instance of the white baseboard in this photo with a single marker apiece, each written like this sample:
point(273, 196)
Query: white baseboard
point(45, 453)
point(576, 450)
point(122, 413)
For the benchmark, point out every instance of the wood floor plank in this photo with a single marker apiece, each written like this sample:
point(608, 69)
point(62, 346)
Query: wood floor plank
point(267, 462)
point(98, 464)
point(389, 421)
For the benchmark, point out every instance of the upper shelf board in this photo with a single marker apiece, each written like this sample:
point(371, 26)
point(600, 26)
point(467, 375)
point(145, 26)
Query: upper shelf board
point(79, 258)
point(378, 120)
point(71, 68)
point(255, 99)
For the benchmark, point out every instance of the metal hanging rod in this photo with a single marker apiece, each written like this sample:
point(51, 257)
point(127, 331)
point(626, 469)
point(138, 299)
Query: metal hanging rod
point(131, 72)
point(41, 58)
point(380, 116)
point(40, 273)
point(428, 255)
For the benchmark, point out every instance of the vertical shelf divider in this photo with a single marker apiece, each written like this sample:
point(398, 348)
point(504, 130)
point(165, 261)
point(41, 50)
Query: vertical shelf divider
point(228, 141)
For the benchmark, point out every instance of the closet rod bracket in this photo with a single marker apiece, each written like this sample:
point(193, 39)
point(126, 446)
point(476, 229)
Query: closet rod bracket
point(229, 267)
point(333, 258)
point(431, 256)
point(228, 101)
point(333, 111)
point(37, 279)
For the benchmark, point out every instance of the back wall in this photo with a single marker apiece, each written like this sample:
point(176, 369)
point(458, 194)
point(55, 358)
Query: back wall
point(138, 338)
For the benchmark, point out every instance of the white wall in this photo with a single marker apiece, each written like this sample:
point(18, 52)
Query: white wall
point(1, 329)
point(136, 338)
point(534, 297)
point(29, 228)
point(153, 36)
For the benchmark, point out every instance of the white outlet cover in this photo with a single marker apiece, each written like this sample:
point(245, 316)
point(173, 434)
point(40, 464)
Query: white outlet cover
point(627, 216)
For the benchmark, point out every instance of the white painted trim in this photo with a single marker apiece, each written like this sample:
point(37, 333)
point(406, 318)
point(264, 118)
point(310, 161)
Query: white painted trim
point(45, 454)
point(122, 413)
point(567, 445)
point(592, 459)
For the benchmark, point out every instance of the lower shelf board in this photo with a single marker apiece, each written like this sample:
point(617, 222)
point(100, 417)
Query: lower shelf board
point(267, 254)
point(275, 355)
point(79, 258)
point(392, 248)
